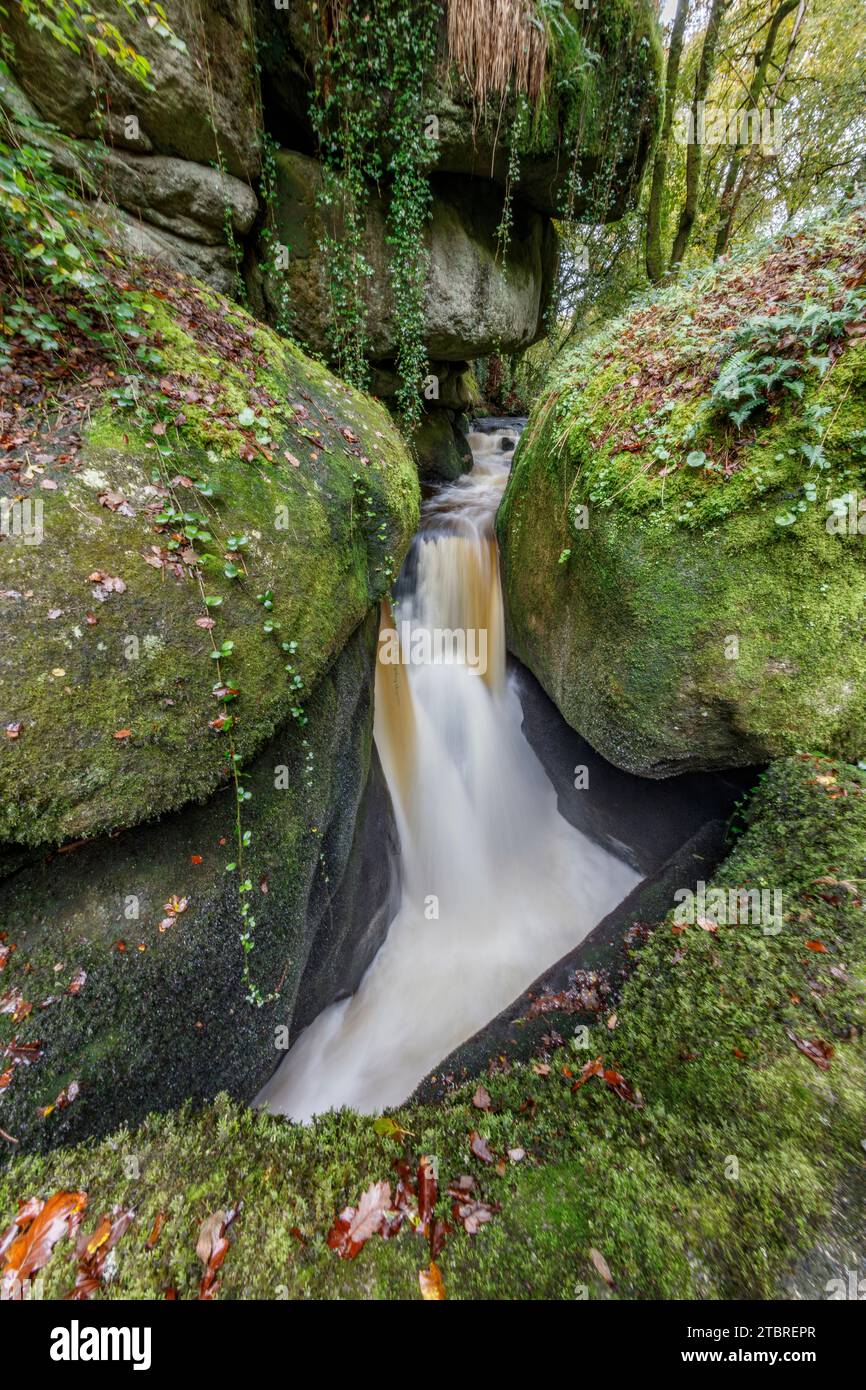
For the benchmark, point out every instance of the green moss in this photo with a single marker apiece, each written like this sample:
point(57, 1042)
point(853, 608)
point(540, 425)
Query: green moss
point(326, 536)
point(163, 1015)
point(712, 1189)
point(688, 627)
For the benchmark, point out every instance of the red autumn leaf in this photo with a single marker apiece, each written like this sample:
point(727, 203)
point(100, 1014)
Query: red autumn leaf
point(77, 983)
point(354, 1227)
point(155, 1231)
point(195, 859)
point(123, 733)
point(816, 946)
point(428, 1191)
point(589, 1069)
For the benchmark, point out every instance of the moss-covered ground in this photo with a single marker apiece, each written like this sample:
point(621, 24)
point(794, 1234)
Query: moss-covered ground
point(709, 1186)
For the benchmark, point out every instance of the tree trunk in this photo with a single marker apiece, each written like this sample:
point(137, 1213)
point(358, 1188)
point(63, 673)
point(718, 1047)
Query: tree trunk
point(694, 154)
point(654, 257)
point(734, 184)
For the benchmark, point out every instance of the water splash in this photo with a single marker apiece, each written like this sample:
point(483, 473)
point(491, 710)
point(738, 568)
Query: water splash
point(496, 885)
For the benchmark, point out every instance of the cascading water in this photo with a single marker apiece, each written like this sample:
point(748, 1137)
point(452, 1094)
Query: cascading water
point(496, 885)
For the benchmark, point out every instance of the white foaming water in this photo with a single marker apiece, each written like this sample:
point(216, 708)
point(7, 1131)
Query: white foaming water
point(496, 885)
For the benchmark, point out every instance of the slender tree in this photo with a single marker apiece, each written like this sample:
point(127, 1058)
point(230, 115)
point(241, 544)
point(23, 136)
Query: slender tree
point(694, 152)
point(654, 254)
point(742, 156)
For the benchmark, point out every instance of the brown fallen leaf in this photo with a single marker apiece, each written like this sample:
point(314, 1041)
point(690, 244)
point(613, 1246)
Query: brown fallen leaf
point(431, 1283)
point(815, 1049)
point(589, 1069)
point(481, 1099)
point(34, 1232)
point(212, 1247)
point(92, 1251)
point(480, 1147)
point(355, 1226)
point(428, 1191)
point(158, 1224)
point(601, 1265)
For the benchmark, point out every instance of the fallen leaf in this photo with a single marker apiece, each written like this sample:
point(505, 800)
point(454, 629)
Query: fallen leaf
point(480, 1147)
point(34, 1232)
point(481, 1099)
point(355, 1226)
point(815, 1049)
point(601, 1265)
point(158, 1223)
point(589, 1069)
point(432, 1285)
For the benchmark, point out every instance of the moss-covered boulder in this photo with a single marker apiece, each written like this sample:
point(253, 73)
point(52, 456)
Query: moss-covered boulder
point(126, 985)
point(683, 558)
point(237, 493)
point(704, 1171)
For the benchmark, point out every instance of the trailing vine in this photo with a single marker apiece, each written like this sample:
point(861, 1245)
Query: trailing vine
point(368, 100)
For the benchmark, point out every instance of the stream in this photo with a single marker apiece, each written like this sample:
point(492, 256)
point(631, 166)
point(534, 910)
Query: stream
point(496, 885)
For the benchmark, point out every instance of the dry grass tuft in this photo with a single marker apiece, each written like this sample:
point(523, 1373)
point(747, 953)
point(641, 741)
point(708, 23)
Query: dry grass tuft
point(496, 45)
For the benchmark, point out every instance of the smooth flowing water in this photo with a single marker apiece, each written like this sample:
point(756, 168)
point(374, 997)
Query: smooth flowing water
point(496, 886)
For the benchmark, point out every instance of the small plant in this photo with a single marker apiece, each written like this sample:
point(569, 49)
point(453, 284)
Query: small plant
point(768, 357)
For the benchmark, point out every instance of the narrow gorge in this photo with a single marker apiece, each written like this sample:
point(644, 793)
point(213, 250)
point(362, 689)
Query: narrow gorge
point(432, 820)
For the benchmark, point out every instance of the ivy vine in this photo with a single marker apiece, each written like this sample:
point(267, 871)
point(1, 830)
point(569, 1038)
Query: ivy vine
point(367, 111)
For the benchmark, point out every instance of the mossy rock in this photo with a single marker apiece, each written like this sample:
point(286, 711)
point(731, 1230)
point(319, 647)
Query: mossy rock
point(706, 1032)
point(165, 1014)
point(676, 583)
point(603, 59)
point(441, 450)
point(200, 100)
point(112, 687)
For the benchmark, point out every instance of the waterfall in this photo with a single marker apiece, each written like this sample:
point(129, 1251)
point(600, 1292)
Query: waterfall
point(496, 885)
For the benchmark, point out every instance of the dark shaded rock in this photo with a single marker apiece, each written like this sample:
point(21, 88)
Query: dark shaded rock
point(163, 1015)
point(441, 450)
point(642, 821)
point(518, 1030)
